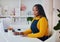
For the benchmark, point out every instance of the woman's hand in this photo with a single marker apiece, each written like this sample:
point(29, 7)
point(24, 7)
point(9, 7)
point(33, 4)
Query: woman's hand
point(10, 28)
point(24, 35)
point(18, 33)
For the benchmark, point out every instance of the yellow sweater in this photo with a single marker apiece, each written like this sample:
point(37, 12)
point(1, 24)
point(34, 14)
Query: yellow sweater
point(42, 25)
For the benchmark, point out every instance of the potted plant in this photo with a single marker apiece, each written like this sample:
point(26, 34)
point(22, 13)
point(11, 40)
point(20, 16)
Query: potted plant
point(57, 27)
point(29, 19)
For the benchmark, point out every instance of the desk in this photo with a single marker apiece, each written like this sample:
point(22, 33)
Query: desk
point(9, 37)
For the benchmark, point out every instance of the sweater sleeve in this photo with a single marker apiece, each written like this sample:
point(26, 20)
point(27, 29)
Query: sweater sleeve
point(42, 29)
point(28, 31)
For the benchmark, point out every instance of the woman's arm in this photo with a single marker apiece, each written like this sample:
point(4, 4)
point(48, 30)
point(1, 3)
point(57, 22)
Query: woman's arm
point(28, 31)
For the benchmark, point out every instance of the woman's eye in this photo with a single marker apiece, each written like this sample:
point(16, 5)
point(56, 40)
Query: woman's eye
point(33, 10)
point(36, 10)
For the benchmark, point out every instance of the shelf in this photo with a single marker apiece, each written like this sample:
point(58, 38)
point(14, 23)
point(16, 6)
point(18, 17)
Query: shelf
point(14, 16)
point(2, 17)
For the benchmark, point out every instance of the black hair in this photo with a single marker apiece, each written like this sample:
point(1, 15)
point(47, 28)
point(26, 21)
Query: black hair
point(41, 11)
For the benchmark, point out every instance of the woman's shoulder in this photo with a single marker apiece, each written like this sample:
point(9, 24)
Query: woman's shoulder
point(42, 19)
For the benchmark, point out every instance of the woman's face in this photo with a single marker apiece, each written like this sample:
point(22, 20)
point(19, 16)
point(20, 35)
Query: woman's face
point(35, 11)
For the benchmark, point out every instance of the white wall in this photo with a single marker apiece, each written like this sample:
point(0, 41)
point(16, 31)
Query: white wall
point(30, 3)
point(9, 5)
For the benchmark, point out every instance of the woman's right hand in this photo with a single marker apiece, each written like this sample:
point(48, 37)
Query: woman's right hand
point(18, 33)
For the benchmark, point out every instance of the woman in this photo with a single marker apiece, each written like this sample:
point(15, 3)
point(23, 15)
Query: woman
point(39, 26)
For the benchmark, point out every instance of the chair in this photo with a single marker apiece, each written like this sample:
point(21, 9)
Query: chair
point(51, 38)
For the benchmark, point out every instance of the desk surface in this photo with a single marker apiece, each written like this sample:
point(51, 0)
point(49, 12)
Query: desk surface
point(9, 37)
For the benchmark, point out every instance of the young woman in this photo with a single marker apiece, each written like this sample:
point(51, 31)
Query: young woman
point(39, 26)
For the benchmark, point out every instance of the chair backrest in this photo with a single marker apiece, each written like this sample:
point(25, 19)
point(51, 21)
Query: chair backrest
point(51, 31)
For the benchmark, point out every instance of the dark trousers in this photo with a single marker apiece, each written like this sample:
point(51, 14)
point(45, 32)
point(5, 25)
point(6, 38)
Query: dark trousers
point(44, 38)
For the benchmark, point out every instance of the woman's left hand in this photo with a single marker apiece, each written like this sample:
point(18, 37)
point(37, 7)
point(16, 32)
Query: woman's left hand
point(25, 35)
